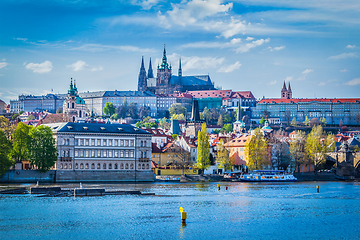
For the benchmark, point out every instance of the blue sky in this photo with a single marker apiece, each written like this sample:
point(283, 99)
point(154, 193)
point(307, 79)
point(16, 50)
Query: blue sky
point(244, 45)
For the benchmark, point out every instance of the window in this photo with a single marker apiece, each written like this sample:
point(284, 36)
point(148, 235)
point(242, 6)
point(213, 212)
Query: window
point(92, 166)
point(110, 153)
point(116, 142)
point(81, 142)
point(110, 142)
point(141, 143)
point(116, 153)
point(144, 143)
point(81, 166)
point(121, 142)
point(143, 166)
point(104, 142)
point(104, 153)
point(76, 166)
point(61, 166)
point(147, 166)
point(126, 166)
point(116, 166)
point(87, 153)
point(76, 153)
point(121, 153)
point(131, 153)
point(104, 166)
point(131, 143)
point(70, 166)
point(86, 142)
point(139, 166)
point(126, 143)
point(98, 153)
point(126, 154)
point(87, 166)
point(81, 153)
point(110, 166)
point(92, 142)
point(98, 166)
point(76, 142)
point(92, 153)
point(132, 166)
point(121, 166)
point(99, 142)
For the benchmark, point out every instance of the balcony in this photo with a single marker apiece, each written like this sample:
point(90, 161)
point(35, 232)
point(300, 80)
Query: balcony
point(66, 159)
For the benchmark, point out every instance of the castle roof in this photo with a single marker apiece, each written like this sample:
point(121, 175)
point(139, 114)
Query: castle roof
point(190, 80)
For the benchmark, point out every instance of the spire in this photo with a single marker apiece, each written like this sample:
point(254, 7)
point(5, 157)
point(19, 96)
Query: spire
point(164, 64)
point(289, 88)
point(238, 116)
point(142, 64)
point(180, 70)
point(284, 87)
point(150, 71)
point(195, 116)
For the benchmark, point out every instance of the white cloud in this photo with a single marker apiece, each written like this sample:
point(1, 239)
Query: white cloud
point(288, 78)
point(279, 48)
point(78, 66)
point(253, 44)
point(344, 70)
point(355, 81)
point(343, 55)
point(145, 4)
point(22, 39)
point(100, 68)
point(272, 82)
point(40, 67)
point(227, 69)
point(249, 38)
point(350, 46)
point(233, 43)
point(3, 64)
point(200, 62)
point(228, 30)
point(321, 84)
point(101, 48)
point(192, 11)
point(235, 40)
point(307, 71)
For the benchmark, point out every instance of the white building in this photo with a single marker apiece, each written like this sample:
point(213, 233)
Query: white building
point(102, 152)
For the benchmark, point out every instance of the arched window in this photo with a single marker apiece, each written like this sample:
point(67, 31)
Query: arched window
point(126, 166)
point(141, 143)
point(72, 105)
point(80, 113)
point(68, 105)
point(143, 166)
point(61, 166)
point(141, 155)
point(121, 166)
point(131, 166)
point(65, 166)
point(98, 166)
point(116, 166)
point(92, 166)
point(110, 166)
point(144, 143)
point(104, 166)
point(67, 142)
point(81, 166)
point(87, 166)
point(70, 166)
point(147, 166)
point(76, 166)
point(139, 166)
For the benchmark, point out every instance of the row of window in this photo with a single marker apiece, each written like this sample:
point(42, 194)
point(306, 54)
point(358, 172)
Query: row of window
point(104, 142)
point(103, 166)
point(106, 153)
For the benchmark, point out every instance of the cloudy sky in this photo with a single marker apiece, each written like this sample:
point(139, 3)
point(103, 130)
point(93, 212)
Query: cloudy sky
point(244, 45)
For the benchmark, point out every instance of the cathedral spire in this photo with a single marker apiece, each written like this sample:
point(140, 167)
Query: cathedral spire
point(180, 70)
point(142, 83)
point(289, 88)
point(150, 71)
point(142, 64)
point(284, 87)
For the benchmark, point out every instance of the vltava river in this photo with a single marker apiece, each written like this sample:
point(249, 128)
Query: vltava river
point(244, 211)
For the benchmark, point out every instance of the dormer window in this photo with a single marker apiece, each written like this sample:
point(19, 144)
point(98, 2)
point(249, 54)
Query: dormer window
point(69, 127)
point(85, 128)
point(102, 128)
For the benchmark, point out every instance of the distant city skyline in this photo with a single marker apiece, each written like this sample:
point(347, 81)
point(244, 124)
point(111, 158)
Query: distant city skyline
point(243, 45)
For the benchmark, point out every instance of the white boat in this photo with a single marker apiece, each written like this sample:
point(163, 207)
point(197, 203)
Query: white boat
point(268, 176)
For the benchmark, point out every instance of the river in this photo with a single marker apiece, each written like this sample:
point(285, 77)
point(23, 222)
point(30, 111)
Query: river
point(244, 211)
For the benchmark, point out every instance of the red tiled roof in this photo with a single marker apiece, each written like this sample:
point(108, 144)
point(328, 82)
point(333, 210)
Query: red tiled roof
point(210, 93)
point(307, 100)
point(155, 149)
point(242, 94)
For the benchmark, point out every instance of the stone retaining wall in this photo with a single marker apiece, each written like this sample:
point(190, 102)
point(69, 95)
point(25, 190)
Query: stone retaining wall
point(28, 176)
point(104, 176)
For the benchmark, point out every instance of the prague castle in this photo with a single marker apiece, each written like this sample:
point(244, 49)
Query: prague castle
point(166, 83)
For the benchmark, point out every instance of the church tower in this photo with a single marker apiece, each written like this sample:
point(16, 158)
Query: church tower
point(74, 108)
point(142, 84)
point(289, 92)
point(284, 92)
point(150, 71)
point(180, 70)
point(163, 76)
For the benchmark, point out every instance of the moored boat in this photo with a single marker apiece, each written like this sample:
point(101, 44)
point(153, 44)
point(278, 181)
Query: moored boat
point(268, 176)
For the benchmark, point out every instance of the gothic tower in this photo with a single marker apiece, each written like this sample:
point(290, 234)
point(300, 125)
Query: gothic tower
point(289, 92)
point(284, 92)
point(142, 84)
point(163, 76)
point(150, 71)
point(180, 70)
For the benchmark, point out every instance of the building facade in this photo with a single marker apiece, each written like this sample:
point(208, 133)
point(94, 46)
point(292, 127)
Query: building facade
point(74, 107)
point(30, 103)
point(102, 152)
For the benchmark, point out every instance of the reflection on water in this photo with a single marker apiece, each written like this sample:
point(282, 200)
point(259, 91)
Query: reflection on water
point(244, 210)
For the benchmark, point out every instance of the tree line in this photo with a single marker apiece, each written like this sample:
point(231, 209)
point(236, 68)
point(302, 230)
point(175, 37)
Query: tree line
point(26, 143)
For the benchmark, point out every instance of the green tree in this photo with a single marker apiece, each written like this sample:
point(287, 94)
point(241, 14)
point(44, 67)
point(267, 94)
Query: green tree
point(297, 149)
point(203, 160)
point(307, 121)
point(164, 123)
point(5, 151)
point(227, 128)
point(6, 127)
point(43, 151)
point(262, 121)
point(150, 125)
point(132, 110)
point(174, 136)
point(293, 122)
point(109, 109)
point(323, 121)
point(21, 142)
point(178, 116)
point(30, 117)
point(256, 150)
point(222, 157)
point(317, 145)
point(206, 114)
point(227, 118)
point(144, 111)
point(177, 108)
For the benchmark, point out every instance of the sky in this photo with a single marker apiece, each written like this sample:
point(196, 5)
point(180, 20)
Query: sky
point(243, 45)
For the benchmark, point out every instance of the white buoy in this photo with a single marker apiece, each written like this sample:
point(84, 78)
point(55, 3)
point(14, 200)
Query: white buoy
point(81, 185)
point(37, 184)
